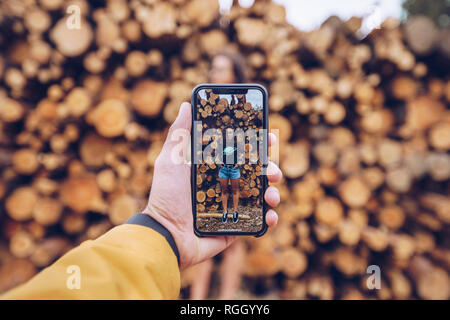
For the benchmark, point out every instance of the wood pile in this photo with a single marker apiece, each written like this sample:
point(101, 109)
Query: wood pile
point(364, 132)
point(218, 113)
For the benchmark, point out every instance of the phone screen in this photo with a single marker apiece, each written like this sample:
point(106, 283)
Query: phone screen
point(230, 160)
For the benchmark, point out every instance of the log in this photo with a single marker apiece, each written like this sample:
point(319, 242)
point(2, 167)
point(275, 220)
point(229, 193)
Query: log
point(201, 196)
point(55, 92)
point(97, 229)
point(359, 217)
point(21, 244)
point(342, 138)
point(261, 263)
point(210, 215)
point(15, 272)
point(348, 262)
point(423, 112)
point(122, 207)
point(296, 162)
point(284, 236)
point(251, 32)
point(93, 150)
point(308, 189)
point(106, 180)
point(74, 223)
point(431, 282)
point(349, 232)
point(15, 79)
point(354, 192)
point(392, 216)
point(25, 161)
point(324, 233)
point(161, 20)
point(320, 287)
point(439, 136)
point(378, 121)
point(421, 34)
point(296, 262)
point(20, 204)
point(48, 250)
point(80, 193)
point(403, 247)
point(335, 113)
point(326, 153)
point(2, 189)
point(110, 118)
point(438, 166)
point(404, 88)
point(389, 153)
point(11, 110)
point(148, 97)
point(136, 63)
point(349, 161)
point(329, 211)
point(376, 239)
point(74, 41)
point(328, 176)
point(94, 63)
point(399, 179)
point(213, 41)
point(78, 101)
point(440, 204)
point(425, 241)
point(294, 290)
point(352, 293)
point(47, 211)
point(362, 141)
point(374, 176)
point(278, 122)
point(400, 284)
point(51, 4)
point(441, 255)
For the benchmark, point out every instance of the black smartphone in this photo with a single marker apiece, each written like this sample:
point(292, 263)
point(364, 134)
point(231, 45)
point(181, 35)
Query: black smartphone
point(229, 157)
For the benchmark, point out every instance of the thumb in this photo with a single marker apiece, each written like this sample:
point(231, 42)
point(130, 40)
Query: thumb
point(184, 118)
point(180, 128)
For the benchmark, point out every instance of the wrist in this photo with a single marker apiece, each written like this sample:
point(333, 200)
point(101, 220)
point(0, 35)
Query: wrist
point(158, 223)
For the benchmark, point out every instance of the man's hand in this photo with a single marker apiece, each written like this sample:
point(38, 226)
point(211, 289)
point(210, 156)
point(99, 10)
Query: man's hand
point(170, 197)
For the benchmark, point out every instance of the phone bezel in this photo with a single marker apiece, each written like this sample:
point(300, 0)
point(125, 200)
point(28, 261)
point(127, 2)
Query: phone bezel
point(227, 87)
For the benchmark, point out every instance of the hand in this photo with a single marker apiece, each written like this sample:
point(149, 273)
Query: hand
point(170, 198)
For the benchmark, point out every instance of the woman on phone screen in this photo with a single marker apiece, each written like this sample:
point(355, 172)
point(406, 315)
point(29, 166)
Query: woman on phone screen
point(226, 67)
point(229, 172)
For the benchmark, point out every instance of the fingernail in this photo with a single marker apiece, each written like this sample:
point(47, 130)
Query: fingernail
point(277, 195)
point(271, 169)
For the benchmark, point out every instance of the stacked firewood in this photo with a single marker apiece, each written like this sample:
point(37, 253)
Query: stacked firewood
point(218, 113)
point(88, 90)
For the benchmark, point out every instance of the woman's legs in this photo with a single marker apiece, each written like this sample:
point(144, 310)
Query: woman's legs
point(231, 270)
point(235, 192)
point(224, 188)
point(200, 285)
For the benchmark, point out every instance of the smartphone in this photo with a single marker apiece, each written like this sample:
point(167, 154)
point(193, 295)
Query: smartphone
point(229, 157)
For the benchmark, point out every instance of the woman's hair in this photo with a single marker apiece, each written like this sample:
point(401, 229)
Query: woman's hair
point(239, 65)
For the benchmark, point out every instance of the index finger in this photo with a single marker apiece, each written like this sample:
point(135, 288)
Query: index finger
point(272, 139)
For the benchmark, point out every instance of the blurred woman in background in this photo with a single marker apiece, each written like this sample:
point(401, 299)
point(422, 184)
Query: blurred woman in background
point(226, 67)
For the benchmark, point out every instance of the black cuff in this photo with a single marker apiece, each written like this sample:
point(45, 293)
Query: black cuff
point(146, 220)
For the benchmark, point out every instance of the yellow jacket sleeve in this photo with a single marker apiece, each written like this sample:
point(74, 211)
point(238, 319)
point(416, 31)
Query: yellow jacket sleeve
point(128, 262)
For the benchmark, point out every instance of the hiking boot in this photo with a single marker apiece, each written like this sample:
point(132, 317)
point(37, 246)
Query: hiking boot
point(225, 216)
point(235, 217)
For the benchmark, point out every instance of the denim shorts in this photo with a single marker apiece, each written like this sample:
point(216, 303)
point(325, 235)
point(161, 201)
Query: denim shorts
point(229, 173)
